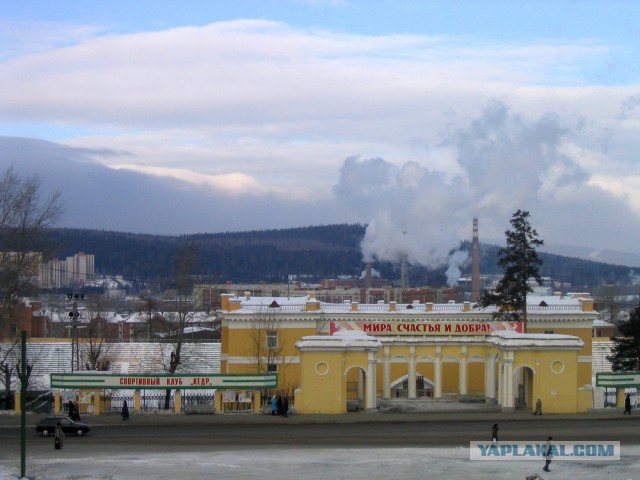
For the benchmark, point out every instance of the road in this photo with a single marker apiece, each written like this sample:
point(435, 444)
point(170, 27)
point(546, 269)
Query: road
point(357, 447)
point(409, 431)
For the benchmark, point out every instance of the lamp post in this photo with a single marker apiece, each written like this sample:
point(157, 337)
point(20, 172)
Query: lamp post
point(74, 314)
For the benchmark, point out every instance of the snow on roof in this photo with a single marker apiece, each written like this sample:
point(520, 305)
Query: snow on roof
point(538, 304)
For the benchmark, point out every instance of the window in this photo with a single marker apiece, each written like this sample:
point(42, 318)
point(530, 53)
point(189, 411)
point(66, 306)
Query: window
point(272, 368)
point(272, 340)
point(548, 332)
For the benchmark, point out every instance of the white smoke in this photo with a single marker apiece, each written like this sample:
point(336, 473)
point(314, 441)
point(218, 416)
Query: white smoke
point(488, 168)
point(456, 260)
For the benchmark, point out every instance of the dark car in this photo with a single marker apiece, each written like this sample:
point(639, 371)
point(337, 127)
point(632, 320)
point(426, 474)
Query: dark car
point(47, 426)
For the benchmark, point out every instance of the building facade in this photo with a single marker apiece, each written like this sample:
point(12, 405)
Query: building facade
point(74, 271)
point(330, 354)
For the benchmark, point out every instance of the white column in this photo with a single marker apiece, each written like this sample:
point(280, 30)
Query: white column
point(412, 372)
point(371, 382)
point(361, 382)
point(508, 380)
point(490, 378)
point(437, 373)
point(386, 373)
point(462, 375)
point(500, 382)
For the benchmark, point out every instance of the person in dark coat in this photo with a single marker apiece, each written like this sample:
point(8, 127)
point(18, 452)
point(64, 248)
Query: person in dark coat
point(548, 454)
point(494, 432)
point(71, 410)
point(285, 407)
point(279, 403)
point(274, 405)
point(627, 404)
point(76, 412)
point(538, 410)
point(125, 411)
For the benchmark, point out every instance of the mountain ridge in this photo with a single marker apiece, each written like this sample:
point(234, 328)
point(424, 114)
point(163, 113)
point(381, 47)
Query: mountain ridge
point(313, 253)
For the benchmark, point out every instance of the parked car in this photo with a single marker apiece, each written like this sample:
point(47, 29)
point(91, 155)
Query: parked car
point(47, 426)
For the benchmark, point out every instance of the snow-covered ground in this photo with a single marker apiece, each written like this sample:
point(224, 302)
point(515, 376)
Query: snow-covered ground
point(311, 464)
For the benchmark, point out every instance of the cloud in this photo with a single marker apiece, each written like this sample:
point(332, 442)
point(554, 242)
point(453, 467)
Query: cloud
point(506, 162)
point(276, 126)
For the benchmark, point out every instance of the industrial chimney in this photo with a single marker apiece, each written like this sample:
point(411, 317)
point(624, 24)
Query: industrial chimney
point(404, 277)
point(475, 264)
point(367, 277)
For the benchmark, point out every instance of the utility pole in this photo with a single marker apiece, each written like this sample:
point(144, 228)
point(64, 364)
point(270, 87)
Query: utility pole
point(74, 314)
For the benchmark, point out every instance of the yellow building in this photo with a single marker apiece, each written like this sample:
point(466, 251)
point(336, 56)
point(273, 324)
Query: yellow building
point(330, 355)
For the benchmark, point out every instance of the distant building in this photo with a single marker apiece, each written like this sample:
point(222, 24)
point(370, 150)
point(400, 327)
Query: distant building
point(75, 271)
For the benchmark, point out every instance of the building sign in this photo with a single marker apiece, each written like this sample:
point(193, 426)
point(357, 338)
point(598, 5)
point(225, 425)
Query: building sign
point(425, 327)
point(619, 379)
point(192, 381)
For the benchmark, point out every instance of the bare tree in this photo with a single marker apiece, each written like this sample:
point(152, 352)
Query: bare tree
point(149, 307)
point(267, 350)
point(265, 342)
point(96, 351)
point(184, 305)
point(609, 305)
point(7, 370)
point(24, 216)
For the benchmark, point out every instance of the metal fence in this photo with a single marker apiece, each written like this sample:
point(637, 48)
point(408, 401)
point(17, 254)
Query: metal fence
point(111, 404)
point(43, 403)
point(198, 403)
point(610, 397)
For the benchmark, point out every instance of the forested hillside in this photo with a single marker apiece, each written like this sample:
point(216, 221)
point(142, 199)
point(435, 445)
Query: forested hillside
point(311, 253)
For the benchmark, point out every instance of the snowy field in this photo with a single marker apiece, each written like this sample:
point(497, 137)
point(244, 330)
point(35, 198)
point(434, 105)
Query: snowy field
point(312, 464)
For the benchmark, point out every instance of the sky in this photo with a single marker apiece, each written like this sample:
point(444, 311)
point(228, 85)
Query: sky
point(412, 117)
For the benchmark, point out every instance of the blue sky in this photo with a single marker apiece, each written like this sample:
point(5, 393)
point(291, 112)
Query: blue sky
point(401, 115)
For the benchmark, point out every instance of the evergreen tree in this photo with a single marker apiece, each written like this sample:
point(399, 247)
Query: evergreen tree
point(521, 263)
point(626, 349)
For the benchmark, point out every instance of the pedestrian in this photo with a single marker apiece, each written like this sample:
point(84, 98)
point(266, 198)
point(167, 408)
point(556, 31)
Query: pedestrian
point(548, 454)
point(627, 404)
point(279, 405)
point(285, 407)
point(494, 433)
point(59, 433)
point(274, 405)
point(538, 410)
point(70, 409)
point(76, 414)
point(125, 411)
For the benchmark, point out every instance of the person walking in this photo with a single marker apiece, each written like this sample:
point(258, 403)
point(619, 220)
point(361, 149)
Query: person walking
point(627, 404)
point(59, 433)
point(71, 410)
point(125, 411)
point(548, 454)
point(285, 407)
point(494, 433)
point(279, 405)
point(538, 410)
point(274, 405)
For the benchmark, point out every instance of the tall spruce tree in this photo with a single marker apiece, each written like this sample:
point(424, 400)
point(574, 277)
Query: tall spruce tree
point(521, 263)
point(626, 348)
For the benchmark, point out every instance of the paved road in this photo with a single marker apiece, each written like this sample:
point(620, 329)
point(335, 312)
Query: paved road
point(167, 433)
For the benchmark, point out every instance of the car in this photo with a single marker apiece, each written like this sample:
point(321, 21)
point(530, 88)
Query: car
point(47, 426)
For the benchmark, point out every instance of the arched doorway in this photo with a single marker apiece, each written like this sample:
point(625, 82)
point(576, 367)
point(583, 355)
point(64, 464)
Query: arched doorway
point(400, 387)
point(356, 388)
point(523, 379)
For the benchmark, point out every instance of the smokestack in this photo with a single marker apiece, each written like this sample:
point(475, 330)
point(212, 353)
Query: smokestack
point(404, 278)
point(367, 276)
point(475, 264)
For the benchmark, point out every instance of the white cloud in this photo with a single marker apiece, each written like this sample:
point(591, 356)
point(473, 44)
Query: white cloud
point(457, 126)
